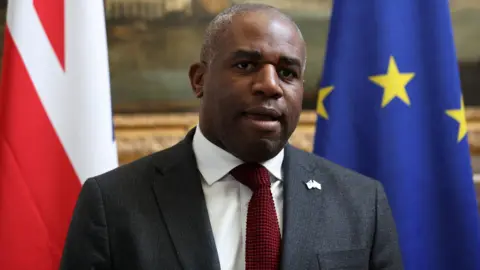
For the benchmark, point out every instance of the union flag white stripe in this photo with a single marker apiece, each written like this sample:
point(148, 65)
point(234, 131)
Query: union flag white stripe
point(77, 101)
point(55, 123)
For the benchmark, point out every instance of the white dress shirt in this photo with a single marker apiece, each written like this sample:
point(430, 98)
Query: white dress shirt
point(227, 199)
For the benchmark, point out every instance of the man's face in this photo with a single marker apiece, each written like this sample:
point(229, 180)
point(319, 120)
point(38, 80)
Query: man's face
point(253, 89)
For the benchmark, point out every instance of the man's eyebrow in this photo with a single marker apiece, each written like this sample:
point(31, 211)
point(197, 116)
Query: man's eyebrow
point(246, 54)
point(256, 55)
point(291, 61)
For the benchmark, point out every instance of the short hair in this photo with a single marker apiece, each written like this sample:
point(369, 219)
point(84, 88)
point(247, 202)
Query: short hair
point(218, 26)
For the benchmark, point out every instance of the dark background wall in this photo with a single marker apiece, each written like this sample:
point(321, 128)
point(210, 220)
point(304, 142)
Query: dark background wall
point(470, 77)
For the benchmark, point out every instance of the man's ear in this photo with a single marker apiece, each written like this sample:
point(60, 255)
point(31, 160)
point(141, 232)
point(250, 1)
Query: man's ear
point(196, 74)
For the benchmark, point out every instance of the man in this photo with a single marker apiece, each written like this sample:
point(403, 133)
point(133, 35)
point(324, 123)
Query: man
point(234, 194)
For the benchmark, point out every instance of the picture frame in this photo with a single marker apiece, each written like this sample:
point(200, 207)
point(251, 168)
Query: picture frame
point(152, 43)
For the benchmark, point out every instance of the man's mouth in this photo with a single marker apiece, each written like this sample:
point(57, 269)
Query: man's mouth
point(263, 114)
point(263, 118)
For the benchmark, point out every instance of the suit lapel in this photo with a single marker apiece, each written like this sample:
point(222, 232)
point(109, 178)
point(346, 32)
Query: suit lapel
point(303, 210)
point(179, 194)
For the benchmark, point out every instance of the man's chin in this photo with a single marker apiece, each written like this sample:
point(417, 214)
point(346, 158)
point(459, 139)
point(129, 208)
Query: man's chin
point(260, 150)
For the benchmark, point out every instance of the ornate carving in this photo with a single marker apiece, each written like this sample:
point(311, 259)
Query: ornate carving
point(473, 120)
point(140, 135)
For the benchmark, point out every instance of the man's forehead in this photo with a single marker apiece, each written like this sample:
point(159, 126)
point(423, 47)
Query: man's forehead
point(265, 24)
point(265, 33)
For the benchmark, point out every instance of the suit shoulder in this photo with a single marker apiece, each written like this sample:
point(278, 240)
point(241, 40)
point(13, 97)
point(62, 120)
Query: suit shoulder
point(135, 172)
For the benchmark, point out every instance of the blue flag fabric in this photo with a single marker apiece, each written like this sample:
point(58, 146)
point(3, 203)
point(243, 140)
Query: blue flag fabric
point(390, 107)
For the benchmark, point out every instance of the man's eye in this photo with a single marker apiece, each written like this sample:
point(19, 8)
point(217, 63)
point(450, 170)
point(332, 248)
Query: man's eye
point(244, 65)
point(286, 73)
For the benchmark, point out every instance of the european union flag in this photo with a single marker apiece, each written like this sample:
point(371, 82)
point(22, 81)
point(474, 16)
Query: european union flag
point(390, 106)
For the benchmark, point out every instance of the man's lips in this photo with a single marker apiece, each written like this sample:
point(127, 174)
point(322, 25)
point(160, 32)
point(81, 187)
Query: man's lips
point(263, 118)
point(263, 114)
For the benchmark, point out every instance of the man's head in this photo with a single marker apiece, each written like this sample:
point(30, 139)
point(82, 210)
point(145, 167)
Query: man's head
point(250, 81)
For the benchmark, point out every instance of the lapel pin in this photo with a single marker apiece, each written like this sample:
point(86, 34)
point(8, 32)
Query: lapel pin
point(313, 184)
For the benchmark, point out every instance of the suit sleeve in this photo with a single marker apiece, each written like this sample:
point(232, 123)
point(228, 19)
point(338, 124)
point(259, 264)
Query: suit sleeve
point(386, 250)
point(87, 245)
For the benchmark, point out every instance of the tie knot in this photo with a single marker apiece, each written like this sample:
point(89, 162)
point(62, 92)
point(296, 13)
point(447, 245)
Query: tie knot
point(252, 175)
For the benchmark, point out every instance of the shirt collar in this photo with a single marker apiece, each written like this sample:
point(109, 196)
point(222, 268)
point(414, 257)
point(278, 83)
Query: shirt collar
point(214, 163)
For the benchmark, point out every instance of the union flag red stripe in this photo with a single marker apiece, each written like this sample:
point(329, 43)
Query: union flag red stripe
point(52, 16)
point(38, 186)
point(55, 124)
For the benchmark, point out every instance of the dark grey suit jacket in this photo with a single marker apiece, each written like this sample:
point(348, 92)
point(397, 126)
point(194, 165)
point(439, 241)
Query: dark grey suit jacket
point(151, 214)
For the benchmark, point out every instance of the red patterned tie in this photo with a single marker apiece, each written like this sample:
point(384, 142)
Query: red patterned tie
point(263, 233)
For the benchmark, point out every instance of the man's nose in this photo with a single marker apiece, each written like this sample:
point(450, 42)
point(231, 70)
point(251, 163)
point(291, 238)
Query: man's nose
point(267, 82)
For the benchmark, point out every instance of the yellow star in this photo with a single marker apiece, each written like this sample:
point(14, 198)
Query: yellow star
point(459, 116)
point(322, 94)
point(393, 83)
